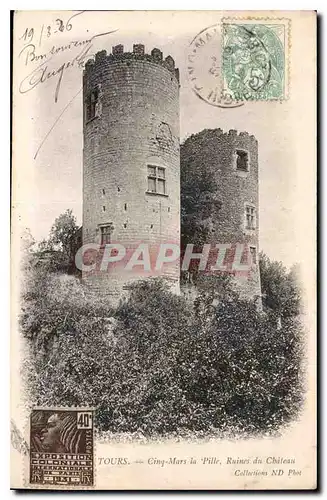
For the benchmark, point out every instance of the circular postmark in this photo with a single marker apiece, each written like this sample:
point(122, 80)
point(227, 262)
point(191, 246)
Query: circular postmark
point(204, 68)
point(234, 62)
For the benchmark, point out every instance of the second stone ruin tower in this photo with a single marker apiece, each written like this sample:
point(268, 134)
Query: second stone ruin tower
point(226, 166)
point(131, 175)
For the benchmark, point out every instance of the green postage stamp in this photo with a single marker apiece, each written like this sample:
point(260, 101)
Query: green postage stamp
point(255, 58)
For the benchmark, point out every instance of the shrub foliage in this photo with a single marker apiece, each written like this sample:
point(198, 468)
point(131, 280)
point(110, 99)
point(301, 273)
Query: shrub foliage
point(157, 365)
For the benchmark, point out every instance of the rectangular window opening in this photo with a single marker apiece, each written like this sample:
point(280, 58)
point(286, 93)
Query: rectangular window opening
point(156, 180)
point(250, 217)
point(242, 160)
point(151, 170)
point(105, 234)
point(161, 186)
point(91, 104)
point(151, 185)
point(253, 252)
point(161, 172)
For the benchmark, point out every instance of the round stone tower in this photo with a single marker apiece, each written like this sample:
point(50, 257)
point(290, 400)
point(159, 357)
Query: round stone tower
point(131, 176)
point(226, 165)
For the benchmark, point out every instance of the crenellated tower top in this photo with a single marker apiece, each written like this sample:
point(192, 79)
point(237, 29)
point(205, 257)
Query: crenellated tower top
point(118, 55)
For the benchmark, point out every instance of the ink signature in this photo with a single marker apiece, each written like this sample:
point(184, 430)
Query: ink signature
point(44, 72)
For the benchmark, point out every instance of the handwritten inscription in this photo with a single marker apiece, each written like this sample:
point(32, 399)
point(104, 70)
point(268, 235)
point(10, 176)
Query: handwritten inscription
point(59, 26)
point(44, 61)
point(41, 52)
point(44, 73)
point(29, 52)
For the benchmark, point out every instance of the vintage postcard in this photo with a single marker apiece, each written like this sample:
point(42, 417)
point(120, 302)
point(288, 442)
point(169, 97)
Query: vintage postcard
point(164, 250)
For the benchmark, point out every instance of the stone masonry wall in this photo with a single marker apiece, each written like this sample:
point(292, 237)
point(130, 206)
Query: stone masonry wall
point(136, 125)
point(214, 151)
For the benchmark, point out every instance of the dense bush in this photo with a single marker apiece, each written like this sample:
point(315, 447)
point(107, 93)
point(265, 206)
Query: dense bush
point(155, 366)
point(200, 204)
point(280, 287)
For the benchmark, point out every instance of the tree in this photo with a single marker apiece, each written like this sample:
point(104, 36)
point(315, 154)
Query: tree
point(154, 367)
point(45, 246)
point(27, 240)
point(199, 201)
point(280, 287)
point(212, 289)
point(200, 205)
point(27, 243)
point(65, 235)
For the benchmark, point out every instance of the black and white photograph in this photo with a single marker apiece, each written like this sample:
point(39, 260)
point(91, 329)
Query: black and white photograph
point(164, 250)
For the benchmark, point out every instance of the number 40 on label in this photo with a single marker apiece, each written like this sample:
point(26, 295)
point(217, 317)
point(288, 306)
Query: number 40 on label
point(84, 420)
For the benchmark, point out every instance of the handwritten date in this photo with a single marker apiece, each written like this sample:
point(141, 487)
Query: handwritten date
point(59, 26)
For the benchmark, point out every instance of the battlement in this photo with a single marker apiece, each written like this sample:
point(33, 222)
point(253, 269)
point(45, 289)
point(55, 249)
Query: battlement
point(118, 55)
point(218, 133)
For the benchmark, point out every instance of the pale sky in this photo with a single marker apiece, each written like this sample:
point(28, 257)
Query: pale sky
point(52, 182)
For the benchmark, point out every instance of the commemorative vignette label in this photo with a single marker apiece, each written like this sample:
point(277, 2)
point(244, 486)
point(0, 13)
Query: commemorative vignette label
point(61, 448)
